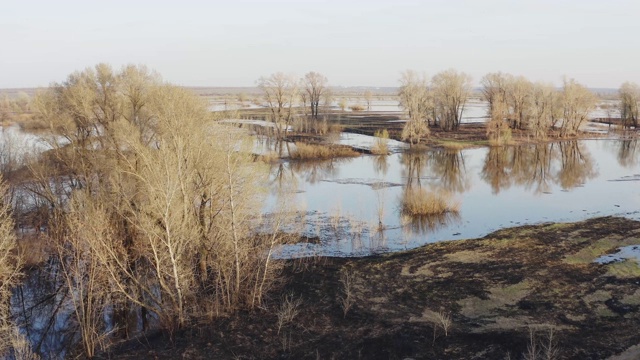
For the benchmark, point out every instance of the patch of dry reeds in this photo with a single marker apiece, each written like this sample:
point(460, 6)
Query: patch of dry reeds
point(315, 152)
point(380, 146)
point(418, 201)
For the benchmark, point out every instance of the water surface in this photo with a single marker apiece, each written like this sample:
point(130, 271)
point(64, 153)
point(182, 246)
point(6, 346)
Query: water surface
point(352, 205)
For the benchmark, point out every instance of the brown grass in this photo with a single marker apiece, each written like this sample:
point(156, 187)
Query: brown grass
point(380, 146)
point(315, 152)
point(269, 158)
point(335, 128)
point(418, 201)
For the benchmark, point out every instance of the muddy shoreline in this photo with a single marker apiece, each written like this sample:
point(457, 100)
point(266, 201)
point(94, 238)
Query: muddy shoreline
point(499, 292)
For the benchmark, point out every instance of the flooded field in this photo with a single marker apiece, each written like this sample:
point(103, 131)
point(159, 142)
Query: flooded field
point(352, 205)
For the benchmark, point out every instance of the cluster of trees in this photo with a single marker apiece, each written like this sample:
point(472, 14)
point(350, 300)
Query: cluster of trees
point(12, 109)
point(283, 92)
point(438, 101)
point(534, 107)
point(514, 103)
point(152, 208)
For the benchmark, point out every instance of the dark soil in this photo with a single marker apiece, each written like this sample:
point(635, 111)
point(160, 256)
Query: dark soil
point(498, 290)
point(367, 123)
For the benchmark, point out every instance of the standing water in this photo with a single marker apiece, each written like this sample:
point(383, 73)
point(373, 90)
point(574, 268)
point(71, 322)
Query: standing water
point(352, 205)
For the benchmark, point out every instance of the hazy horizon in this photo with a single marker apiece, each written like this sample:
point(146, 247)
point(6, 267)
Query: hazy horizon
point(232, 44)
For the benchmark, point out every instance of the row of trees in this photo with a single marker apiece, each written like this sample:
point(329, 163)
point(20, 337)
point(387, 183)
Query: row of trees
point(153, 209)
point(535, 107)
point(514, 103)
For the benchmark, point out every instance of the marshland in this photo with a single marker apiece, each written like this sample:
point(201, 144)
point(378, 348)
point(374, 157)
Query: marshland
point(265, 180)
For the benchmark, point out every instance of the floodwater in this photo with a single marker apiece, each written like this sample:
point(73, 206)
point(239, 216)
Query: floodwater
point(352, 205)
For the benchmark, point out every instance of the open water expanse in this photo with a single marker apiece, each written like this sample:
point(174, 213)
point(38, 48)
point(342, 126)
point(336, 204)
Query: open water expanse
point(352, 205)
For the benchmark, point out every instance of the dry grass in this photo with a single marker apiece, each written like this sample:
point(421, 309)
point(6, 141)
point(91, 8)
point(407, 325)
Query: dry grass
point(380, 146)
point(603, 246)
point(357, 108)
point(335, 128)
point(315, 152)
point(418, 201)
point(269, 158)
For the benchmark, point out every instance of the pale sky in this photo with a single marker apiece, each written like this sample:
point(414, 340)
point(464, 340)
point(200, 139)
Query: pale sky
point(353, 43)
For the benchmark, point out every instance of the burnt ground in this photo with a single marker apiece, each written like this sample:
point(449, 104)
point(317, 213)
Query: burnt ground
point(500, 292)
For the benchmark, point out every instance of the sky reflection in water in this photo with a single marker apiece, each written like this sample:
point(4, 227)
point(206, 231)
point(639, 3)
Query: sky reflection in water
point(496, 187)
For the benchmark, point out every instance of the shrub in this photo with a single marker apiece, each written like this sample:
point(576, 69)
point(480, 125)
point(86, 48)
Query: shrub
point(314, 152)
point(418, 201)
point(335, 128)
point(380, 146)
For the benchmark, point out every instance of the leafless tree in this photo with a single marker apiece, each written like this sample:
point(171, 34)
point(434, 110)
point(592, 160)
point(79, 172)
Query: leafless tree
point(577, 102)
point(495, 92)
point(415, 99)
point(545, 109)
point(153, 206)
point(9, 269)
point(368, 98)
point(629, 94)
point(451, 91)
point(519, 98)
point(281, 93)
point(315, 85)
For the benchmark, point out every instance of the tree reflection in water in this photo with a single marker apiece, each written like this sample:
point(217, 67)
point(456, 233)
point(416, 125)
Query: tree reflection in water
point(537, 167)
point(628, 153)
point(448, 167)
point(424, 224)
point(449, 175)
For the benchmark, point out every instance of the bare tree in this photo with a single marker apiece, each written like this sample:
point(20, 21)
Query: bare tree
point(342, 103)
point(519, 98)
point(416, 101)
point(315, 86)
point(87, 281)
point(368, 98)
point(9, 269)
point(629, 94)
point(281, 93)
point(495, 90)
point(577, 102)
point(151, 203)
point(451, 91)
point(545, 109)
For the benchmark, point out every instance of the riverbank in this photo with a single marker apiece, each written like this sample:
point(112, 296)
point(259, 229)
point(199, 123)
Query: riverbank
point(491, 298)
